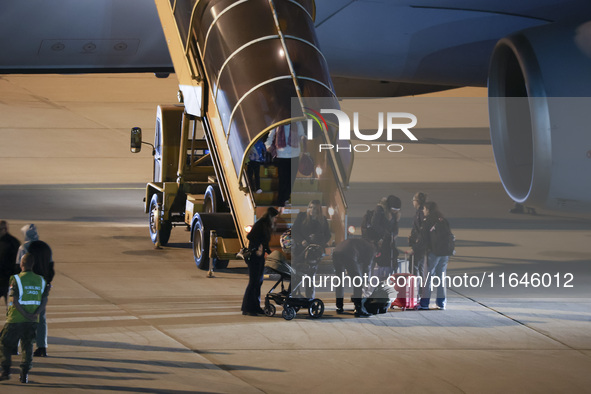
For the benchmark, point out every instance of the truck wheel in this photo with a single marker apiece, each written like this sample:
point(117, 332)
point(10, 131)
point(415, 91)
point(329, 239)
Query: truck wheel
point(201, 227)
point(213, 200)
point(200, 244)
point(155, 216)
point(201, 248)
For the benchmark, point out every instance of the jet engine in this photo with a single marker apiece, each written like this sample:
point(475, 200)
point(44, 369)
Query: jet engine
point(539, 89)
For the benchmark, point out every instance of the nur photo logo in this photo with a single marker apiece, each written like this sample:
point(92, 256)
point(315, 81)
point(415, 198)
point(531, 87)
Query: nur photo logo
point(394, 122)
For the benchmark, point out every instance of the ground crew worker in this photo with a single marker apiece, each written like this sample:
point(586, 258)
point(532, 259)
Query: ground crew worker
point(28, 293)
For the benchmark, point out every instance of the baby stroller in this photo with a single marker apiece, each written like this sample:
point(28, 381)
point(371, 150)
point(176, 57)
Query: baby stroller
point(278, 264)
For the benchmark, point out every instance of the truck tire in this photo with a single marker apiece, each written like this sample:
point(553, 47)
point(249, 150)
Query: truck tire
point(165, 226)
point(200, 243)
point(201, 227)
point(213, 200)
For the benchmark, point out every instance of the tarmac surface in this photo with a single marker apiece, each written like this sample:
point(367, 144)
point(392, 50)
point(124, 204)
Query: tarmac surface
point(125, 317)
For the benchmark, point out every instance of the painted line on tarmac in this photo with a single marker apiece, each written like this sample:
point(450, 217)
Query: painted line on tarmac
point(195, 314)
point(523, 324)
point(90, 319)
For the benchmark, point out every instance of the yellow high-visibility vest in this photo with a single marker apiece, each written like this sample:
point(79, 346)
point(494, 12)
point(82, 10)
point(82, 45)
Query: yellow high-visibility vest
point(30, 287)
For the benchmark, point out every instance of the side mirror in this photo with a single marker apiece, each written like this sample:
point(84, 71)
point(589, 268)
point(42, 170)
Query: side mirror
point(136, 140)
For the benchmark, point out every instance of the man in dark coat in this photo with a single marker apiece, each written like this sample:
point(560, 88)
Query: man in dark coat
point(385, 222)
point(309, 228)
point(355, 256)
point(8, 250)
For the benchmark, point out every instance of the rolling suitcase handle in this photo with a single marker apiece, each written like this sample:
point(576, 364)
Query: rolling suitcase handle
point(410, 264)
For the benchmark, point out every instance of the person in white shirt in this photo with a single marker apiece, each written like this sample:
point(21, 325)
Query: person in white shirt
point(286, 144)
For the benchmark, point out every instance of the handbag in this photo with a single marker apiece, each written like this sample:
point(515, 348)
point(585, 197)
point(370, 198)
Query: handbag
point(246, 254)
point(272, 150)
point(306, 166)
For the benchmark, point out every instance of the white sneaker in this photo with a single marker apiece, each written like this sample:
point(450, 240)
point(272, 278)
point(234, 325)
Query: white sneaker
point(259, 191)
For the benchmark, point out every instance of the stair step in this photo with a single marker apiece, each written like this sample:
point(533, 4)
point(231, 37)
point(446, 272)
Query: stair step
point(195, 187)
point(199, 174)
point(267, 199)
point(305, 185)
point(268, 171)
point(264, 200)
point(290, 211)
point(269, 184)
point(304, 198)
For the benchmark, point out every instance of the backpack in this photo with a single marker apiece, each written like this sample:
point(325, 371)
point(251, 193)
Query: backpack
point(258, 152)
point(367, 231)
point(443, 242)
point(381, 299)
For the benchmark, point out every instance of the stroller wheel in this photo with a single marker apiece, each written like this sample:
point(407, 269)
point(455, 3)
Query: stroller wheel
point(270, 310)
point(316, 308)
point(288, 313)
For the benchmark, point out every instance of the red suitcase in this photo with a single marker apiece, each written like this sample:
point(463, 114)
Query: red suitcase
point(406, 285)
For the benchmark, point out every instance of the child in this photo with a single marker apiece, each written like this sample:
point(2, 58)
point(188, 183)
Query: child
point(256, 156)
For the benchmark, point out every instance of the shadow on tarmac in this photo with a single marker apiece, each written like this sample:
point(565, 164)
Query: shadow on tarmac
point(123, 389)
point(158, 363)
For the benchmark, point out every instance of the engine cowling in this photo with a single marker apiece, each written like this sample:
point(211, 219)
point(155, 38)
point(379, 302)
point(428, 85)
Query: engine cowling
point(540, 115)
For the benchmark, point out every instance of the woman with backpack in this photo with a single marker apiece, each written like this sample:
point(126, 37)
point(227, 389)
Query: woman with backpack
point(438, 239)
